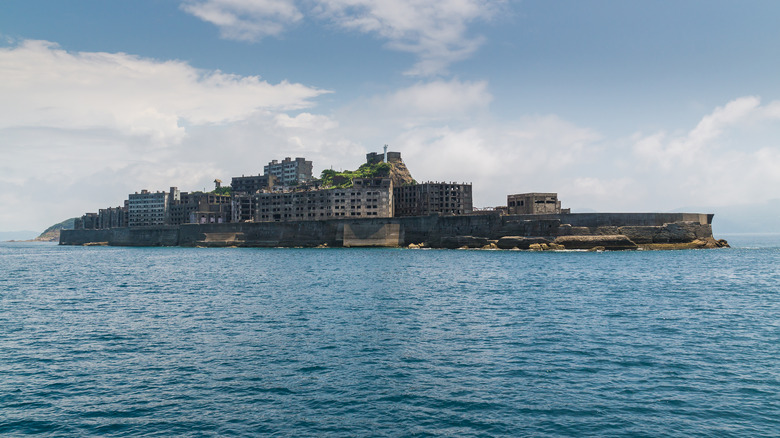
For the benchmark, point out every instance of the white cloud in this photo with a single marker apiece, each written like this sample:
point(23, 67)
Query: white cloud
point(44, 86)
point(440, 99)
point(436, 31)
point(732, 156)
point(78, 131)
point(306, 121)
point(246, 20)
point(686, 149)
point(539, 153)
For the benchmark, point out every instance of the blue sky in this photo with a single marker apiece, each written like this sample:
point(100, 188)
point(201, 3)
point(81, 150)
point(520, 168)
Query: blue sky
point(616, 105)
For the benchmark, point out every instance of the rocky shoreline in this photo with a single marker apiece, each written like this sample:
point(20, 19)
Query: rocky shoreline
point(615, 242)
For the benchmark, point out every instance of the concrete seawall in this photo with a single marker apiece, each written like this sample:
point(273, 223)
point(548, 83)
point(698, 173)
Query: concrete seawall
point(432, 230)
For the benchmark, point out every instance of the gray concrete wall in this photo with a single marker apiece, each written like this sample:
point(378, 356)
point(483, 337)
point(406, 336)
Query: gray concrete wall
point(622, 219)
point(391, 232)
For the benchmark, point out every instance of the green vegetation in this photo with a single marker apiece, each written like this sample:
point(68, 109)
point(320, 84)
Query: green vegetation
point(333, 179)
point(227, 190)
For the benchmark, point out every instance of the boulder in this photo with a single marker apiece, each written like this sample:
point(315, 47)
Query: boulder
point(609, 242)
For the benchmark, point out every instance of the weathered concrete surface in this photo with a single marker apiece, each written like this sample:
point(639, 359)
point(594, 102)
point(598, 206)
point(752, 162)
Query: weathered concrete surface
point(609, 242)
point(372, 234)
point(147, 236)
point(433, 231)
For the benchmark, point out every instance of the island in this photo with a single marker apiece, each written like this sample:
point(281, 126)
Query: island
point(377, 205)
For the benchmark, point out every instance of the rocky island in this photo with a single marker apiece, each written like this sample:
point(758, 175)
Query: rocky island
point(378, 205)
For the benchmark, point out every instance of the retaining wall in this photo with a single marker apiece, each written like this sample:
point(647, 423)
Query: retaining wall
point(383, 232)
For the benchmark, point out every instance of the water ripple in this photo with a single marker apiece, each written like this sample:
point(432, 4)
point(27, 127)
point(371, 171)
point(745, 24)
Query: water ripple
point(103, 341)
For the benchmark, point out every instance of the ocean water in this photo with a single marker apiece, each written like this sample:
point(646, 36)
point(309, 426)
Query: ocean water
point(103, 341)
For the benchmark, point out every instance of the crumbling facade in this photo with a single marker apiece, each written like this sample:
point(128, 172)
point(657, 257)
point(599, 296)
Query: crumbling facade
point(368, 197)
point(112, 217)
point(199, 207)
point(433, 197)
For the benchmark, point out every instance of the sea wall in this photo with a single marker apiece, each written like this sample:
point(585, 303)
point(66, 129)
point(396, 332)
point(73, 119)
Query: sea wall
point(433, 230)
point(148, 236)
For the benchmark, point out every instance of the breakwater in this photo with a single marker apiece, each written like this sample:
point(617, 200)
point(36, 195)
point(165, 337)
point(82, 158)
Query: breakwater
point(434, 231)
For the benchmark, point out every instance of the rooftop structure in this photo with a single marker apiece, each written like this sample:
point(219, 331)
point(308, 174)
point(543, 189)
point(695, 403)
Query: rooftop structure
point(533, 203)
point(387, 157)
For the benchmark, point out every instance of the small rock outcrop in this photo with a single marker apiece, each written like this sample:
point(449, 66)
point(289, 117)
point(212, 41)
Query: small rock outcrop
point(453, 242)
point(519, 242)
point(677, 232)
point(609, 242)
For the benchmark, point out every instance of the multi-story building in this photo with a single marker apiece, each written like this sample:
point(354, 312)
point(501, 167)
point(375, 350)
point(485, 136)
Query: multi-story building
point(432, 197)
point(368, 197)
point(148, 209)
point(251, 184)
point(533, 203)
point(290, 172)
point(210, 209)
point(89, 221)
point(215, 209)
point(112, 217)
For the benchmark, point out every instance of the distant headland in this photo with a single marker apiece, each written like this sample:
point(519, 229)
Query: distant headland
point(377, 205)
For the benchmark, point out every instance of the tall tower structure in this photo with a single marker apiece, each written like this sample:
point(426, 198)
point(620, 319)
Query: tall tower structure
point(385, 158)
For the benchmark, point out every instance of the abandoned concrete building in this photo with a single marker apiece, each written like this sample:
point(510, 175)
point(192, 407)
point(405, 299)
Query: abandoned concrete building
point(287, 192)
point(290, 172)
point(199, 207)
point(433, 197)
point(112, 217)
point(376, 157)
point(368, 197)
point(251, 184)
point(534, 203)
point(148, 209)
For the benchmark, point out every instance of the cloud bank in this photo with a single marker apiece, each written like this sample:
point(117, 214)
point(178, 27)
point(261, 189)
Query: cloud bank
point(44, 86)
point(78, 131)
point(87, 128)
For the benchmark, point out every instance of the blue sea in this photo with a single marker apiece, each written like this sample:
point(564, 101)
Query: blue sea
point(161, 342)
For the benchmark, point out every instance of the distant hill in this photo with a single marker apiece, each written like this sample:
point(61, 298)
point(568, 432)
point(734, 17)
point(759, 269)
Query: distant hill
point(52, 234)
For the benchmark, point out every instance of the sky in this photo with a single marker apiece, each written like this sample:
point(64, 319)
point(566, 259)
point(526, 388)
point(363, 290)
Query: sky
point(615, 105)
